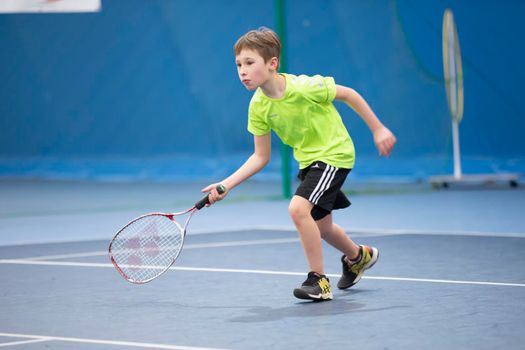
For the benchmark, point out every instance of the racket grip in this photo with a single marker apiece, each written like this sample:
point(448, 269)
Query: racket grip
point(206, 200)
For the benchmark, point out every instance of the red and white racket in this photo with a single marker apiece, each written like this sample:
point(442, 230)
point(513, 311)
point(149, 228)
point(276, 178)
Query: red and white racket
point(149, 245)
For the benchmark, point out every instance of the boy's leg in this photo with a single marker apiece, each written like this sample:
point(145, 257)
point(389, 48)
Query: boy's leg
point(334, 235)
point(300, 212)
point(320, 185)
point(356, 259)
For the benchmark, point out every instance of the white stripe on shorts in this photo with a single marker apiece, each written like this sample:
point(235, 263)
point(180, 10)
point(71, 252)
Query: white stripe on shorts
point(325, 172)
point(327, 186)
point(323, 184)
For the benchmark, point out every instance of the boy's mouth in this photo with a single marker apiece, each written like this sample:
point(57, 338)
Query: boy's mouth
point(246, 81)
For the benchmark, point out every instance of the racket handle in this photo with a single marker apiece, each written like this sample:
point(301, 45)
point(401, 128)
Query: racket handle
point(206, 200)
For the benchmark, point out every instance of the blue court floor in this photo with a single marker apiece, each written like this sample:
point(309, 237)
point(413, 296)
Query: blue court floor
point(450, 272)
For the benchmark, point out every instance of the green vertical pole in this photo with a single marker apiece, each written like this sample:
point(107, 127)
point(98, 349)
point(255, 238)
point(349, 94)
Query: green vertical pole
point(280, 24)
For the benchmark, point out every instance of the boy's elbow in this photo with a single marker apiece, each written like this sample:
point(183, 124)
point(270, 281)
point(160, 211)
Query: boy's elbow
point(263, 159)
point(260, 159)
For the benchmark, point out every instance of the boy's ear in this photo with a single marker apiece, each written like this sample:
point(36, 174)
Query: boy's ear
point(274, 63)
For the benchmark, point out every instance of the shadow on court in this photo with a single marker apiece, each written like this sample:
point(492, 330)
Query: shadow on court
point(340, 306)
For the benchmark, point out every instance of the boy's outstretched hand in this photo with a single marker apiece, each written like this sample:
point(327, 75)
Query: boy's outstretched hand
point(384, 140)
point(214, 195)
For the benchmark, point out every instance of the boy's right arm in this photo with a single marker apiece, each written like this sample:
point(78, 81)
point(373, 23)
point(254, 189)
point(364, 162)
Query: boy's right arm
point(257, 161)
point(383, 138)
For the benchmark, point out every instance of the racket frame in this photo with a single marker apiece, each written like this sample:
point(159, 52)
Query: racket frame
point(171, 216)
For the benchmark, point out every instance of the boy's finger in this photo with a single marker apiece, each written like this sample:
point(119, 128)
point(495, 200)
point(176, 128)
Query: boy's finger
point(215, 196)
point(386, 148)
point(207, 188)
point(380, 146)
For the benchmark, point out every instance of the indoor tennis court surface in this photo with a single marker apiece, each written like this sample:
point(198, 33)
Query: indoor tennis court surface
point(447, 277)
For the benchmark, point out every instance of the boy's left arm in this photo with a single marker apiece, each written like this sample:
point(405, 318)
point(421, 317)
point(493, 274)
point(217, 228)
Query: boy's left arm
point(383, 138)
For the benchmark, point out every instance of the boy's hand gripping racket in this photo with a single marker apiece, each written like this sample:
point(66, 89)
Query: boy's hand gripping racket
point(147, 246)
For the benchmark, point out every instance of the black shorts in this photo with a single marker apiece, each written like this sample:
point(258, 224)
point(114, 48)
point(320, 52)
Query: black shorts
point(321, 185)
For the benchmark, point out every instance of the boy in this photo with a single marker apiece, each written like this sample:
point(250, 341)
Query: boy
point(299, 110)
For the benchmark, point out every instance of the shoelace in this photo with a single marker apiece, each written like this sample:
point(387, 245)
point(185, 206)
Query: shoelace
point(311, 280)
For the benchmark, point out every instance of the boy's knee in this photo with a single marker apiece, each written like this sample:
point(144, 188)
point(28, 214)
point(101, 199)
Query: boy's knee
point(298, 211)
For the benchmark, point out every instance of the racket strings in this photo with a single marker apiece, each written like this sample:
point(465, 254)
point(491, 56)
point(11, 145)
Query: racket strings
point(147, 247)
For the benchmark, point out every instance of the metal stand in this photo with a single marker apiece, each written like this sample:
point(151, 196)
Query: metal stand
point(444, 181)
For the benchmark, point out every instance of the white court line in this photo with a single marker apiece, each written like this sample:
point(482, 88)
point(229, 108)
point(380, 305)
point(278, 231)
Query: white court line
point(362, 232)
point(262, 272)
point(186, 246)
point(105, 342)
point(39, 340)
point(67, 256)
point(384, 231)
point(367, 232)
point(419, 232)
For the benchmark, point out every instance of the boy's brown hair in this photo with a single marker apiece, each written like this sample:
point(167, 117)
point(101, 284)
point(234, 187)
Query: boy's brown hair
point(262, 40)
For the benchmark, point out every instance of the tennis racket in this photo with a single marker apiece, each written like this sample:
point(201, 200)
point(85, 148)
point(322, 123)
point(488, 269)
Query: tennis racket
point(149, 245)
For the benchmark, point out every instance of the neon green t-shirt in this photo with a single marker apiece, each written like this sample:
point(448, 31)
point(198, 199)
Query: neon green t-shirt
point(306, 120)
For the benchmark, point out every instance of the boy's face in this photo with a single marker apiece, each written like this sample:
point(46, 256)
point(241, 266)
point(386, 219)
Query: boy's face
point(253, 71)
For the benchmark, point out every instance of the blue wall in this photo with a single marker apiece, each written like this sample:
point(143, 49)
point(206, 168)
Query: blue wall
point(156, 80)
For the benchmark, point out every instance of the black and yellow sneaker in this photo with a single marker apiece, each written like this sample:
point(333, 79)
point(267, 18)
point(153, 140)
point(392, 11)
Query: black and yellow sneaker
point(352, 273)
point(316, 287)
